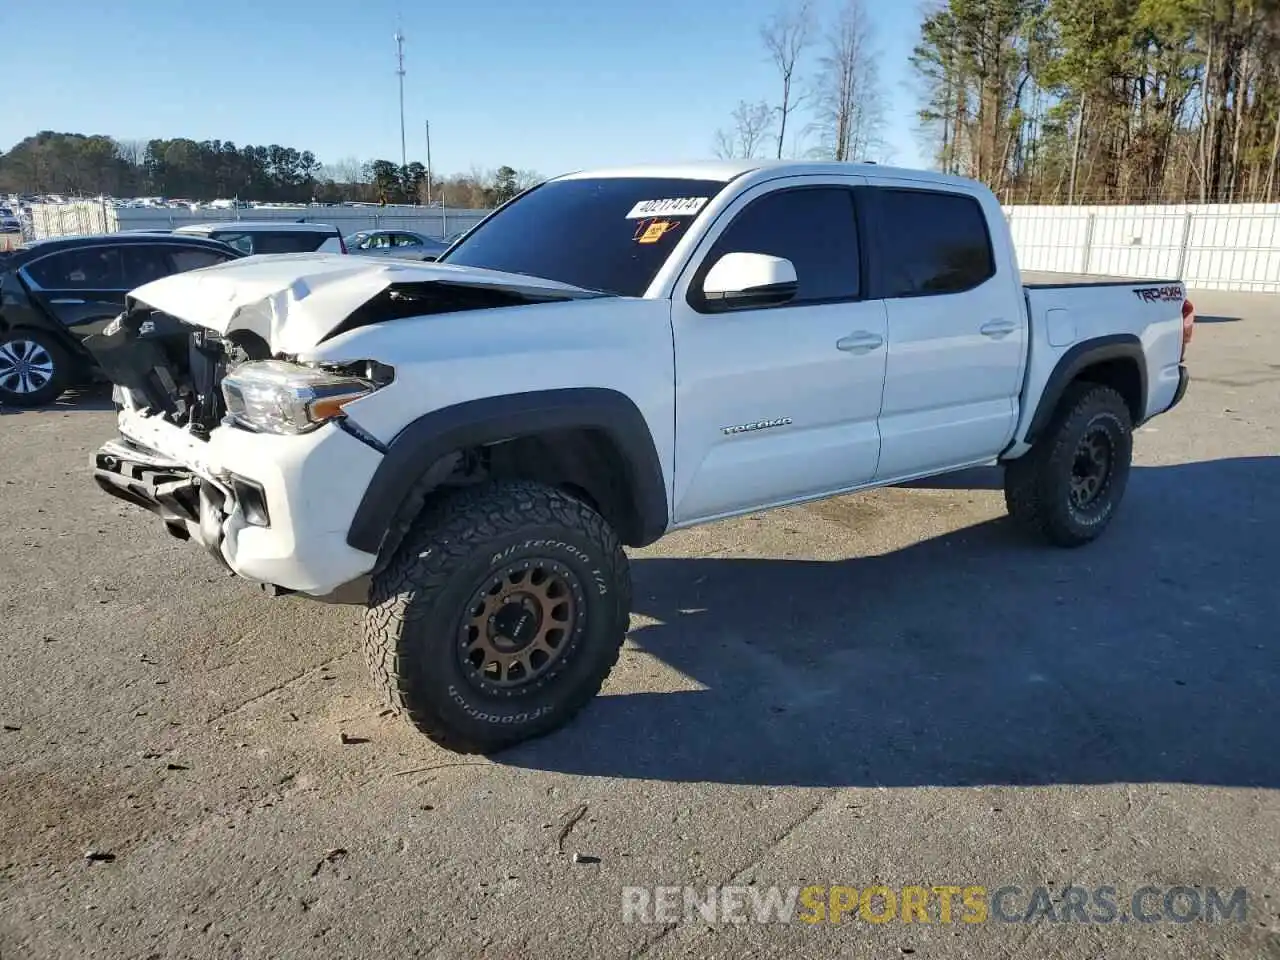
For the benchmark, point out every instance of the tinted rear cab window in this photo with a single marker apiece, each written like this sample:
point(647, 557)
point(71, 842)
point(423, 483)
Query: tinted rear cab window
point(930, 243)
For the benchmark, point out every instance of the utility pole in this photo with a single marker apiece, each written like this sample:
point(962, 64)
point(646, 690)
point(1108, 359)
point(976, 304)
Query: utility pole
point(427, 123)
point(399, 38)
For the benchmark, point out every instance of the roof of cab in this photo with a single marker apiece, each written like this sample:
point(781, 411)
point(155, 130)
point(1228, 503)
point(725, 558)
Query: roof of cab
point(727, 170)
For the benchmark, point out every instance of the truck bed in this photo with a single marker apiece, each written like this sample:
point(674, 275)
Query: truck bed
point(1049, 279)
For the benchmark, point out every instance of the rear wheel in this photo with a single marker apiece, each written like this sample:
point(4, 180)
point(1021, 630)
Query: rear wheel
point(1068, 486)
point(33, 368)
point(500, 616)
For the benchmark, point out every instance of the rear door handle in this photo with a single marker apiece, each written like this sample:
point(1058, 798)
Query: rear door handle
point(863, 341)
point(998, 328)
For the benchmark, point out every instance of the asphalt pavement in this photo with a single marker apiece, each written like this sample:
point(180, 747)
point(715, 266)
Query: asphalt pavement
point(892, 689)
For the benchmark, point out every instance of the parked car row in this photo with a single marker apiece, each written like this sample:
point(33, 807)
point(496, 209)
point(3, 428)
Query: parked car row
point(55, 293)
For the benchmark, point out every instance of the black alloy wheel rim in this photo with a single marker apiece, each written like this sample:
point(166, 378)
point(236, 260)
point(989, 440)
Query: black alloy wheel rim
point(1091, 468)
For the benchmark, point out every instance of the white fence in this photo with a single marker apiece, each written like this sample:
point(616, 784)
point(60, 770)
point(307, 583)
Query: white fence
point(90, 216)
point(1215, 247)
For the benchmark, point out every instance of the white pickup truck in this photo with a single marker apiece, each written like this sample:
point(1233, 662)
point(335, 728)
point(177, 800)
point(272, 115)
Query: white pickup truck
point(611, 356)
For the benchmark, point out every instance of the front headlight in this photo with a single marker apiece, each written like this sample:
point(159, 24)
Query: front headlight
point(280, 397)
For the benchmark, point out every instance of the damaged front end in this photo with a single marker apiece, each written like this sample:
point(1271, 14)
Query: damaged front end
point(234, 428)
point(167, 378)
point(215, 436)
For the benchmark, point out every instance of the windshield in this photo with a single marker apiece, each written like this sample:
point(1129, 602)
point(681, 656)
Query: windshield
point(610, 234)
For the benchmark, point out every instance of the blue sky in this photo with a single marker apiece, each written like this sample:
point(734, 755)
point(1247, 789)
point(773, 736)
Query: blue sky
point(549, 86)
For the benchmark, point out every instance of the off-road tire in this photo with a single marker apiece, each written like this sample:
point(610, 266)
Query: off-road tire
point(1037, 485)
point(58, 381)
point(417, 607)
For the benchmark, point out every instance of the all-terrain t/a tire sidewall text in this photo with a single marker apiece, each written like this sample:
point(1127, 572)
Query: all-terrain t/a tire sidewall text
point(414, 626)
point(572, 666)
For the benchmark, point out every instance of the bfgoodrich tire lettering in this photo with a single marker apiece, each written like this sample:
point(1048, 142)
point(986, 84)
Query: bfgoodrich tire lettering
point(1047, 490)
point(435, 590)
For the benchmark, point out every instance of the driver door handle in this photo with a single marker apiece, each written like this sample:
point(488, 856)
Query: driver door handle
point(998, 328)
point(861, 341)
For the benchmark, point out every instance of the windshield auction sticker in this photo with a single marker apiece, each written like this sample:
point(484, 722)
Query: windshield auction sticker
point(674, 207)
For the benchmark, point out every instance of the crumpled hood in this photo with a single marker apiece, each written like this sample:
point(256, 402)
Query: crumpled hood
point(293, 301)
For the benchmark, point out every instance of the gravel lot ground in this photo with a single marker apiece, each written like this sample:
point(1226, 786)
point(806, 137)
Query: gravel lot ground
point(888, 688)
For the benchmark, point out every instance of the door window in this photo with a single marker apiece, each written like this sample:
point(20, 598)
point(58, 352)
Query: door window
point(813, 227)
point(88, 268)
point(240, 241)
point(407, 240)
point(272, 241)
point(184, 259)
point(144, 263)
point(931, 243)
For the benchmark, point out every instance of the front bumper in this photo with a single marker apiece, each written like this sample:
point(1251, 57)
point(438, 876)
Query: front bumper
point(273, 509)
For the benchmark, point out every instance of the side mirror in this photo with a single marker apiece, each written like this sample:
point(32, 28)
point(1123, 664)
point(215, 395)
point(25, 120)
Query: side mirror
point(741, 280)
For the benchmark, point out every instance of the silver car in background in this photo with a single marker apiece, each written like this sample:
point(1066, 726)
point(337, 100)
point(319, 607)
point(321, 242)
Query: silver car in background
point(401, 244)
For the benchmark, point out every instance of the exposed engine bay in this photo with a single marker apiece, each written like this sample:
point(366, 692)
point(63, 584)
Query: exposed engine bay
point(176, 369)
point(172, 368)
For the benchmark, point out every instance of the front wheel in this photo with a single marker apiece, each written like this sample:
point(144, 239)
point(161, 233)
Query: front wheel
point(1067, 487)
point(500, 616)
point(33, 368)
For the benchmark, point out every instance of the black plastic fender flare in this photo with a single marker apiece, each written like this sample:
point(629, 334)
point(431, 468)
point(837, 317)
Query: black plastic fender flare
point(432, 437)
point(1087, 353)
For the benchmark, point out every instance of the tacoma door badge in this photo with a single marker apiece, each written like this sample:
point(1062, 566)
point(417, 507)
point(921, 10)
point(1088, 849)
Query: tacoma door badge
point(758, 425)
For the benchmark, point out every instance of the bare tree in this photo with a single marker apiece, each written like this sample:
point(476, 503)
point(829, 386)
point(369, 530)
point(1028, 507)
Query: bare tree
point(786, 37)
point(346, 170)
point(528, 178)
point(724, 144)
point(131, 152)
point(849, 105)
point(752, 125)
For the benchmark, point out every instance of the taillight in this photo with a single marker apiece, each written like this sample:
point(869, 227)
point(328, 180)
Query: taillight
point(1188, 324)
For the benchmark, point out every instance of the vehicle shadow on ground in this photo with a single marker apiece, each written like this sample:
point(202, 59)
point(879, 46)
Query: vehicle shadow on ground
point(92, 399)
point(974, 658)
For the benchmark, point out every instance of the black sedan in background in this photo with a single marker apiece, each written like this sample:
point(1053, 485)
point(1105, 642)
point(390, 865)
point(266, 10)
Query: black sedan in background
point(55, 293)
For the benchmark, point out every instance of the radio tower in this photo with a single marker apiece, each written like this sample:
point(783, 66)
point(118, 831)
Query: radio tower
point(399, 38)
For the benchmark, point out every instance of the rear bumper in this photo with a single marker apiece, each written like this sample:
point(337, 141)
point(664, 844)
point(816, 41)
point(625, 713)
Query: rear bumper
point(1184, 379)
point(272, 509)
